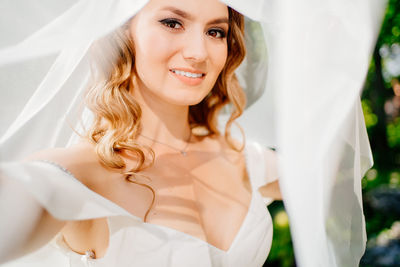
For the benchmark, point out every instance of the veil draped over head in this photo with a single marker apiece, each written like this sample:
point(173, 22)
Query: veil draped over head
point(305, 66)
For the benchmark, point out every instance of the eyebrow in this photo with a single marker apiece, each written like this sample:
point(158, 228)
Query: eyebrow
point(187, 16)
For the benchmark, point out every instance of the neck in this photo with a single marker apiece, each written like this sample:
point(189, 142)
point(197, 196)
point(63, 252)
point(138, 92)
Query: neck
point(162, 121)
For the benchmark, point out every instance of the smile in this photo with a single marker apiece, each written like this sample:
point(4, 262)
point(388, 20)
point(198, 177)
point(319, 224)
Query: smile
point(191, 78)
point(188, 74)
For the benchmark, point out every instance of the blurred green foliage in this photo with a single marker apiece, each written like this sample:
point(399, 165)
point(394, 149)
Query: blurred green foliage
point(281, 253)
point(381, 107)
point(393, 133)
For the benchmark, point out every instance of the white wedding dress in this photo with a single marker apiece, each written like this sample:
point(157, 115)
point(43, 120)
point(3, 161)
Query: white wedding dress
point(303, 73)
point(133, 242)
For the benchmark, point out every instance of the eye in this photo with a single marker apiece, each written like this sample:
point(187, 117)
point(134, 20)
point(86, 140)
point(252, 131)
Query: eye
point(217, 33)
point(171, 23)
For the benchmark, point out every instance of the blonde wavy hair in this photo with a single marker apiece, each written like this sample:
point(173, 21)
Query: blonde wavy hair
point(117, 116)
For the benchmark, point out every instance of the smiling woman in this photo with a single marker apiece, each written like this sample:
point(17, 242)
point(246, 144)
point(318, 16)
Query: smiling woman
point(156, 80)
point(152, 171)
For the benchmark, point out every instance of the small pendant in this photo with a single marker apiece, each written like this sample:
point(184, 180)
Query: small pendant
point(184, 153)
point(89, 255)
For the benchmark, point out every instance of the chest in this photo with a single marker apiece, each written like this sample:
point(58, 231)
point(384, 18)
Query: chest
point(206, 197)
point(202, 196)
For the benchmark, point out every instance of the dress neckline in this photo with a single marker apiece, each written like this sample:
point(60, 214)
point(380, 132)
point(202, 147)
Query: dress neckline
point(122, 211)
point(238, 233)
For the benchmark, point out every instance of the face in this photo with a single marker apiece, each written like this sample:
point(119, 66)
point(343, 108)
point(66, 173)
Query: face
point(180, 48)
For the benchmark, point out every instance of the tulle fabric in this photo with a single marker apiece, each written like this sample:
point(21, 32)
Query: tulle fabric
point(305, 67)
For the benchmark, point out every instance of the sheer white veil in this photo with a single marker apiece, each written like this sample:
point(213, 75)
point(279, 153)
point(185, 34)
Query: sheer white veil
point(305, 67)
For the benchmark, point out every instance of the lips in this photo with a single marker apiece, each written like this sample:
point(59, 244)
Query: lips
point(188, 76)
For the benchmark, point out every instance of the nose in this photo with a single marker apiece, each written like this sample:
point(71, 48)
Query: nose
point(195, 48)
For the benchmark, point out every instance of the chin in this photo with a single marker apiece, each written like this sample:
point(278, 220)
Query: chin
point(184, 96)
point(185, 99)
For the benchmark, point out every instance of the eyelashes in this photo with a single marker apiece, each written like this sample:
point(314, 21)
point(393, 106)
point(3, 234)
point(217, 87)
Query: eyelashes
point(175, 24)
point(171, 23)
point(215, 32)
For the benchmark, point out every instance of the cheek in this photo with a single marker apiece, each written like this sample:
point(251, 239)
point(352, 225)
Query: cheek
point(154, 47)
point(219, 55)
point(152, 52)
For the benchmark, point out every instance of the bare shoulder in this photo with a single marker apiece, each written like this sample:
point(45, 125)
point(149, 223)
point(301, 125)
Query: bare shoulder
point(80, 159)
point(219, 146)
point(220, 142)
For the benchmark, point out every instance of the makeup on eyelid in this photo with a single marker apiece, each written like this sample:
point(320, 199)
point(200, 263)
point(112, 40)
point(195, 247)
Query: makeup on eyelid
point(171, 21)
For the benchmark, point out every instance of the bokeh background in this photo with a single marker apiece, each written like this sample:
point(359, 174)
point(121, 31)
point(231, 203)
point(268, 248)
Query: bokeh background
point(381, 184)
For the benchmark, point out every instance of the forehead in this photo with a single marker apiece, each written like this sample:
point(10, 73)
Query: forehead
point(202, 10)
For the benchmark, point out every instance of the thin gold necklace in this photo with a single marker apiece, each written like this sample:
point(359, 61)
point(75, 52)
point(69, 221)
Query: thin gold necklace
point(182, 151)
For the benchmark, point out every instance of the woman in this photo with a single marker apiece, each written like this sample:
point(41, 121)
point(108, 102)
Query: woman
point(303, 99)
point(185, 195)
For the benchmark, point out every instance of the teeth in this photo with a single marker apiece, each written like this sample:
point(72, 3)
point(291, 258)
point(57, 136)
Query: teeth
point(187, 74)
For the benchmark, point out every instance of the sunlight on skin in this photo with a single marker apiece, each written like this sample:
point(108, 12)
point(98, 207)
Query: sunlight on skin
point(271, 190)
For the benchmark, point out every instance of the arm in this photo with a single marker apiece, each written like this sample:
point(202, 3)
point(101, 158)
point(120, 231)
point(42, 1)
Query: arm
point(271, 189)
point(25, 225)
